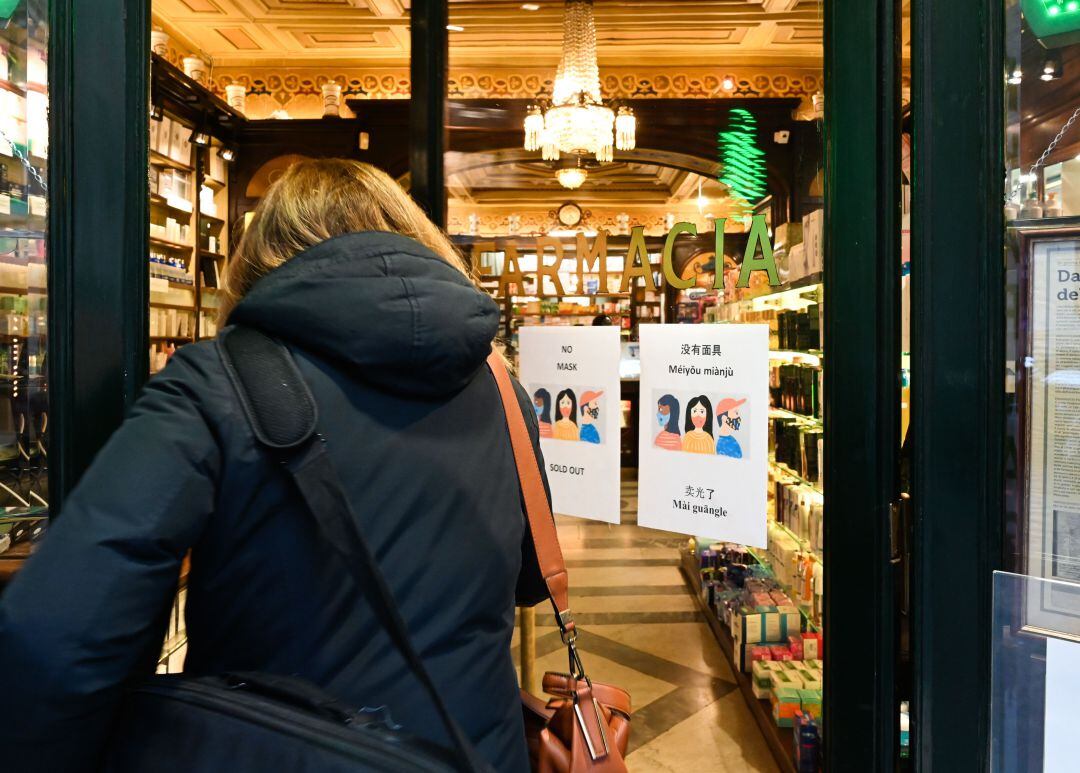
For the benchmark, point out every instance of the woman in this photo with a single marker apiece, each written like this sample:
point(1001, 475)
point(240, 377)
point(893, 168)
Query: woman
point(542, 404)
point(698, 438)
point(392, 338)
point(566, 427)
point(667, 416)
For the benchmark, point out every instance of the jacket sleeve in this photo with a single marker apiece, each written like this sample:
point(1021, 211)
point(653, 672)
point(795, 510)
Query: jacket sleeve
point(88, 611)
point(531, 588)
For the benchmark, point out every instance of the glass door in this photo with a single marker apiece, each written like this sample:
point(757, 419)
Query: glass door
point(587, 133)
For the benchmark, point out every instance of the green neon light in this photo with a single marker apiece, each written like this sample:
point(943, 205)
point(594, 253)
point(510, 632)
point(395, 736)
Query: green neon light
point(1054, 22)
point(743, 161)
point(7, 7)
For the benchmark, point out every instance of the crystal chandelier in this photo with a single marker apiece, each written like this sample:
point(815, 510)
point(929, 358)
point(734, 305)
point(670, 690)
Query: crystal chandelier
point(578, 122)
point(572, 177)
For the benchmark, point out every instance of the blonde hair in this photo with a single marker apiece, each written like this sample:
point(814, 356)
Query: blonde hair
point(316, 200)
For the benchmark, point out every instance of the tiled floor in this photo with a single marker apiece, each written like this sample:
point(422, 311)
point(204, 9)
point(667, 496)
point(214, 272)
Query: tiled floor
point(642, 630)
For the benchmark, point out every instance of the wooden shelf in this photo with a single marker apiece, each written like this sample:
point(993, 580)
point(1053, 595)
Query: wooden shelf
point(178, 306)
point(780, 740)
point(213, 219)
point(169, 339)
point(161, 201)
point(214, 255)
point(792, 415)
point(27, 222)
point(5, 290)
point(160, 159)
point(9, 86)
point(170, 245)
point(575, 314)
point(212, 183)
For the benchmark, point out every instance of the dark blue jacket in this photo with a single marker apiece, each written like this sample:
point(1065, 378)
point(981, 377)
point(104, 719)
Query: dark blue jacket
point(392, 341)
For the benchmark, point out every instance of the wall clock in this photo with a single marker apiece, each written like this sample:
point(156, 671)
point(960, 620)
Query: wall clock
point(569, 214)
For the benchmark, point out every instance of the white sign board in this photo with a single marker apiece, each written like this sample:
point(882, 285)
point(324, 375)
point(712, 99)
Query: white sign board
point(1062, 714)
point(572, 376)
point(703, 453)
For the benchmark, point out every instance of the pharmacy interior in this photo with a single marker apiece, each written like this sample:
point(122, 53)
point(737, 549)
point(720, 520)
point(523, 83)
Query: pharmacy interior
point(578, 137)
point(614, 163)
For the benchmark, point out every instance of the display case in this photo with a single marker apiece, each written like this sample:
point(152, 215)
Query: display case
point(189, 209)
point(24, 152)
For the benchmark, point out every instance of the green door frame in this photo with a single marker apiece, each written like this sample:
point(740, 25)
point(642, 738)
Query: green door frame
point(99, 339)
point(958, 369)
point(98, 226)
point(862, 394)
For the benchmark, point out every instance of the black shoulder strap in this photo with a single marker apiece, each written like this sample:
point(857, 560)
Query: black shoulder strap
point(283, 415)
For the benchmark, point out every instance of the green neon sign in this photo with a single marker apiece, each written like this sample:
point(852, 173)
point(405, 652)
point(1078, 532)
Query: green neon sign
point(7, 7)
point(743, 161)
point(1054, 22)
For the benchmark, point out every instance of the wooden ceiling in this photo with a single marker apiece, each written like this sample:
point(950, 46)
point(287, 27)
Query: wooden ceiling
point(532, 182)
point(497, 32)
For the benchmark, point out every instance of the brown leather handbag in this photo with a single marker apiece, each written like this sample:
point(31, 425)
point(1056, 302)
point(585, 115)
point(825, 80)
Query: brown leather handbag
point(584, 726)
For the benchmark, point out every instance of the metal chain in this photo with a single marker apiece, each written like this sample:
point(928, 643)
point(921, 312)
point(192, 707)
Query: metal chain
point(1049, 149)
point(25, 162)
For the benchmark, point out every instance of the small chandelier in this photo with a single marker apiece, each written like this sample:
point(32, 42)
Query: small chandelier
point(578, 122)
point(572, 177)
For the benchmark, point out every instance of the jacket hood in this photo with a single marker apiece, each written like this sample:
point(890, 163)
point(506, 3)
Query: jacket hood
point(381, 304)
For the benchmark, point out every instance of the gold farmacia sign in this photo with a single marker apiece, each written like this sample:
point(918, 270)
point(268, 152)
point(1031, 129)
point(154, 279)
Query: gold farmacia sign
point(592, 258)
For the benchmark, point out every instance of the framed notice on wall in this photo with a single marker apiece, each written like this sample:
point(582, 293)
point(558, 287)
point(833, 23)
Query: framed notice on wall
point(572, 376)
point(1048, 392)
point(703, 435)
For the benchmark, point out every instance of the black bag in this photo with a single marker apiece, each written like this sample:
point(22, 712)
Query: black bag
point(257, 722)
point(243, 723)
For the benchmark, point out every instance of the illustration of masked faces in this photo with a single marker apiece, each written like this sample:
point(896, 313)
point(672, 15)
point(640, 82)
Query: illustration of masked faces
point(663, 415)
point(697, 416)
point(565, 407)
point(733, 419)
point(591, 413)
point(539, 407)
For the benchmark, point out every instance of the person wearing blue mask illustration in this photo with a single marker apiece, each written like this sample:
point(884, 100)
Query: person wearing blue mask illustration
point(590, 412)
point(542, 404)
point(667, 416)
point(728, 421)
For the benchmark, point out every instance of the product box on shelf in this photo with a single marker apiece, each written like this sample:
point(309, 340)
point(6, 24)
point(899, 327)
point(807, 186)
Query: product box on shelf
point(813, 240)
point(785, 704)
point(217, 165)
point(155, 137)
point(761, 678)
point(810, 701)
point(164, 136)
point(774, 625)
point(796, 262)
point(179, 148)
point(788, 234)
point(782, 677)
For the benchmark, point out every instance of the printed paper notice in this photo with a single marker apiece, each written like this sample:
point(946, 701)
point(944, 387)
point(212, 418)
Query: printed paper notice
point(572, 376)
point(704, 430)
point(1054, 406)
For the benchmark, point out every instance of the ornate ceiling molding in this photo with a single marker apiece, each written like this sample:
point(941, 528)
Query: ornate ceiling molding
point(293, 89)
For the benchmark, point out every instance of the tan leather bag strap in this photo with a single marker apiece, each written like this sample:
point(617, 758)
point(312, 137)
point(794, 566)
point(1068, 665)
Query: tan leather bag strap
point(537, 508)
